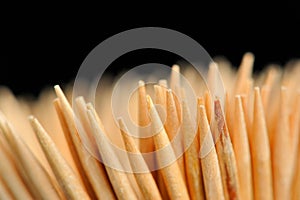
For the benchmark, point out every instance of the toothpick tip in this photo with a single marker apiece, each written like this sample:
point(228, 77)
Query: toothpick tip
point(141, 83)
point(176, 68)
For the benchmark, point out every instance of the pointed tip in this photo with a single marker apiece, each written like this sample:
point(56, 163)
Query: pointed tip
point(58, 91)
point(34, 123)
point(176, 68)
point(31, 117)
point(200, 101)
point(257, 99)
point(238, 105)
point(257, 95)
point(121, 123)
point(283, 88)
point(79, 99)
point(141, 83)
point(163, 83)
point(149, 102)
point(156, 88)
point(89, 106)
point(202, 107)
point(237, 97)
point(249, 55)
point(203, 121)
point(169, 96)
point(213, 65)
point(122, 126)
point(201, 112)
point(247, 62)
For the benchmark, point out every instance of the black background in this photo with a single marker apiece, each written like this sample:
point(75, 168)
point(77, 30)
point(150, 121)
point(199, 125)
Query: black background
point(43, 48)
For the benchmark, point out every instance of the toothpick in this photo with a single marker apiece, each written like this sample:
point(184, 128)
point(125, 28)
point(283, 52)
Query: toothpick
point(124, 160)
point(42, 185)
point(175, 85)
point(172, 127)
point(242, 151)
point(64, 174)
point(225, 155)
point(296, 181)
point(175, 77)
point(209, 162)
point(192, 162)
point(146, 144)
point(171, 173)
point(260, 152)
point(161, 99)
point(11, 178)
point(145, 179)
point(244, 73)
point(282, 158)
point(118, 178)
point(80, 154)
point(4, 193)
point(94, 169)
point(66, 132)
point(208, 105)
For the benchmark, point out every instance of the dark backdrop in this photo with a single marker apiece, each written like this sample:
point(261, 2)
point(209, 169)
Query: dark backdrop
point(43, 49)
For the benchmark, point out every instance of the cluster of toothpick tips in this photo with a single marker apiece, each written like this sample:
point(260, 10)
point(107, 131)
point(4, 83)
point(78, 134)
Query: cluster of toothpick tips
point(243, 145)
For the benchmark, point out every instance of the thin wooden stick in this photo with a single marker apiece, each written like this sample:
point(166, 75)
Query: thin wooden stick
point(84, 121)
point(244, 73)
point(282, 149)
point(94, 169)
point(125, 160)
point(67, 135)
point(172, 126)
point(144, 179)
point(208, 106)
point(296, 181)
point(118, 179)
point(159, 96)
point(295, 132)
point(172, 122)
point(260, 152)
point(225, 155)
point(83, 161)
point(44, 110)
point(192, 162)
point(171, 173)
point(175, 78)
point(16, 113)
point(266, 90)
point(209, 163)
point(242, 151)
point(146, 144)
point(17, 175)
point(4, 193)
point(11, 178)
point(64, 174)
point(43, 186)
point(9, 149)
point(246, 110)
point(175, 86)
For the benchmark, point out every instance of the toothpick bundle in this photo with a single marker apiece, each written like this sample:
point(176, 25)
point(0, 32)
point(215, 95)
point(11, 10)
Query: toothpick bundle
point(251, 140)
